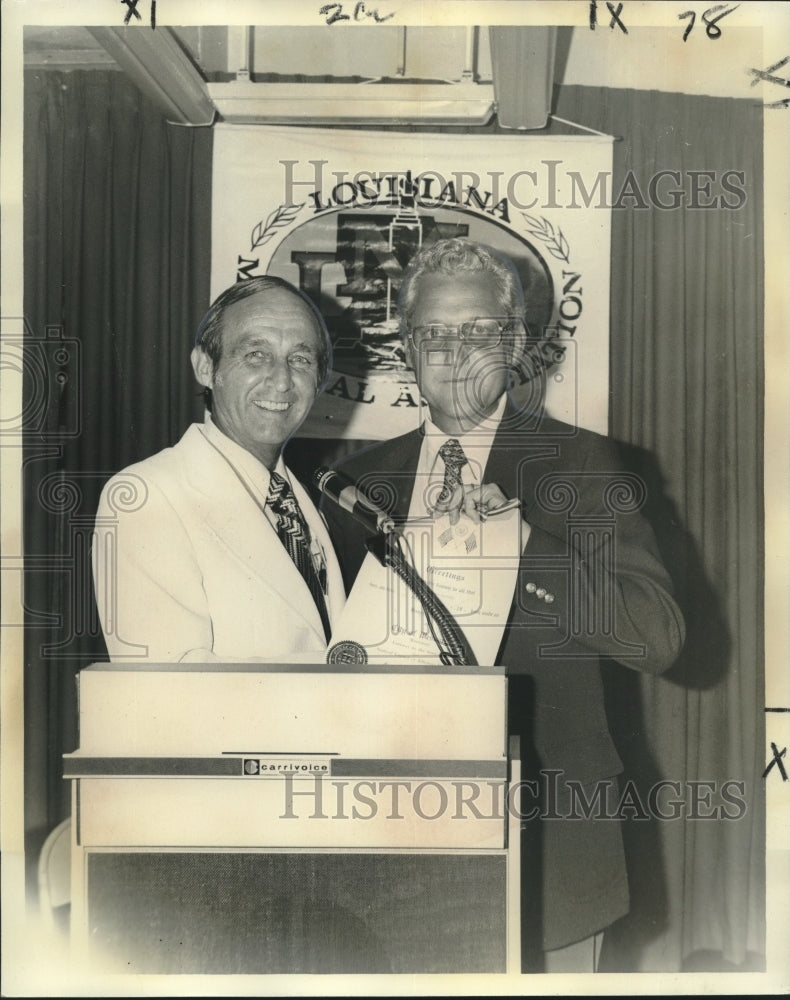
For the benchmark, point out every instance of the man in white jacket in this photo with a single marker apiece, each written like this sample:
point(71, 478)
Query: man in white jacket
point(211, 550)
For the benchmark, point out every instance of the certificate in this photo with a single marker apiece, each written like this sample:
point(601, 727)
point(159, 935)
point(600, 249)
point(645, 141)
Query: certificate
point(470, 566)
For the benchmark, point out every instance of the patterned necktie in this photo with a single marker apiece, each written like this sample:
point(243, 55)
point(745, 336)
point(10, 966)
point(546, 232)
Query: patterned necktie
point(293, 533)
point(454, 460)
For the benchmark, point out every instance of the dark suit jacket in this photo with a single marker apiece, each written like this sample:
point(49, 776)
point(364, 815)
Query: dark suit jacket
point(591, 550)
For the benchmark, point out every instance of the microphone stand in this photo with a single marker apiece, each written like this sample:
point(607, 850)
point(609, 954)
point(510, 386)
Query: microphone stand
point(386, 548)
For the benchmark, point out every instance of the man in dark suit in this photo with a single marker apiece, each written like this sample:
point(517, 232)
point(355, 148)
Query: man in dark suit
point(590, 583)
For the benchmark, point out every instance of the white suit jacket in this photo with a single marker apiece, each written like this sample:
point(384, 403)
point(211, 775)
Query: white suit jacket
point(188, 567)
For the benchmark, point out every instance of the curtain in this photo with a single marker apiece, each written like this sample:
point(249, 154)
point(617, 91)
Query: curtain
point(117, 246)
point(686, 405)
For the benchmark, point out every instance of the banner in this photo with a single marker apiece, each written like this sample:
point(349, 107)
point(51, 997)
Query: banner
point(340, 213)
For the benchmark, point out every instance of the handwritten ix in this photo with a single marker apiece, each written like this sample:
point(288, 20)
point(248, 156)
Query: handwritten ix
point(710, 18)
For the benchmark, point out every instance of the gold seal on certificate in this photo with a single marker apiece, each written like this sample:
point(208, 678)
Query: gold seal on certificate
point(346, 652)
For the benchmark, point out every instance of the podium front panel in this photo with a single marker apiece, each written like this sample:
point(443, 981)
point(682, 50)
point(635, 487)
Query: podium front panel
point(293, 819)
point(298, 913)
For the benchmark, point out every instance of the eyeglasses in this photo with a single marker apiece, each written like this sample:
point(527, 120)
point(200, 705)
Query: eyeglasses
point(484, 331)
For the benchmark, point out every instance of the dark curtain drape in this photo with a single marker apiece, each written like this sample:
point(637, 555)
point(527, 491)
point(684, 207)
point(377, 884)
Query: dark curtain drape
point(117, 208)
point(686, 404)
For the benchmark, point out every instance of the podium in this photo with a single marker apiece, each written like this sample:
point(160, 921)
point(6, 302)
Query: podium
point(294, 819)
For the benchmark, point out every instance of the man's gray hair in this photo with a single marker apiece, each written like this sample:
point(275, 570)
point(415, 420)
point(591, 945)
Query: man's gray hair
point(460, 256)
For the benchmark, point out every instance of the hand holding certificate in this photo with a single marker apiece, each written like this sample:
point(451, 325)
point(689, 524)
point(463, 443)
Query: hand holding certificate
point(477, 502)
point(470, 562)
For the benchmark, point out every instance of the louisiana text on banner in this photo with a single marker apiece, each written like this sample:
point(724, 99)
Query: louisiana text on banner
point(340, 213)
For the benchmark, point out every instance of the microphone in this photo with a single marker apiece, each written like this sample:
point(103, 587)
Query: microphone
point(347, 495)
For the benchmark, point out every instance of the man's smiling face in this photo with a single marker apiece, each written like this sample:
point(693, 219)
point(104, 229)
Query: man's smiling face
point(267, 377)
point(461, 382)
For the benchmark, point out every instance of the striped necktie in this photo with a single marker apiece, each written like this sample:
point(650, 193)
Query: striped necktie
point(294, 534)
point(454, 460)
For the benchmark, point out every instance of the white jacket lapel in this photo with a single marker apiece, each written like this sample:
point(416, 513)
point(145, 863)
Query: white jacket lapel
point(235, 517)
